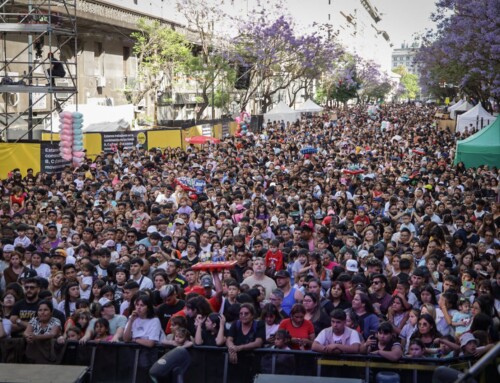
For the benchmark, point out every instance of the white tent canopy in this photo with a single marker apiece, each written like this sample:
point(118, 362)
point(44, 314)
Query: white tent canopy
point(98, 118)
point(282, 112)
point(464, 106)
point(478, 117)
point(309, 107)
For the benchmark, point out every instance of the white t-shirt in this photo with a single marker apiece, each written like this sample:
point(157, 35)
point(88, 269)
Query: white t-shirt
point(85, 294)
point(348, 338)
point(43, 270)
point(146, 329)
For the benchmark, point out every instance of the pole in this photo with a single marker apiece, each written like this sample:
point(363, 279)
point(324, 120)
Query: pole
point(30, 79)
point(213, 95)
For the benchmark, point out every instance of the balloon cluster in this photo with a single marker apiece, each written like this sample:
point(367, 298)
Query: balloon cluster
point(71, 144)
point(242, 120)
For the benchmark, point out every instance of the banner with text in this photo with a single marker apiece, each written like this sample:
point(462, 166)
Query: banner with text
point(128, 140)
point(50, 158)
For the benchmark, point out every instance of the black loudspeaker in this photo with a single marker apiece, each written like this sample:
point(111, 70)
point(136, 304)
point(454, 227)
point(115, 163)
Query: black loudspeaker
point(270, 378)
point(256, 122)
point(243, 77)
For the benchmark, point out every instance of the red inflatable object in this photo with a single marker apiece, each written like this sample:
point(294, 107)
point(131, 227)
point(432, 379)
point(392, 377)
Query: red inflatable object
point(184, 186)
point(354, 172)
point(214, 266)
point(421, 152)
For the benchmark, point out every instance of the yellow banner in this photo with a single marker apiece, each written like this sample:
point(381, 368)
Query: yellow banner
point(21, 156)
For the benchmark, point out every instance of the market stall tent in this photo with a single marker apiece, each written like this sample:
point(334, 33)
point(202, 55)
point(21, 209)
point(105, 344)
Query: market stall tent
point(310, 107)
point(478, 117)
point(460, 107)
point(482, 148)
point(282, 112)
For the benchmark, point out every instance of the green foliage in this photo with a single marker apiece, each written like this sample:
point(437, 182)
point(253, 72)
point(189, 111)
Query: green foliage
point(409, 81)
point(161, 53)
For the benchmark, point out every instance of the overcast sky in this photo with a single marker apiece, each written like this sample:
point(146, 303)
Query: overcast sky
point(402, 18)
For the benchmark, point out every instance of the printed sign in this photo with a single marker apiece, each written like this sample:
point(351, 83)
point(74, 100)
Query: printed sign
point(50, 158)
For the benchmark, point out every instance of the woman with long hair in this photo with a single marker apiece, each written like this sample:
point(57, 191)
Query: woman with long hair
point(272, 318)
point(315, 312)
point(70, 296)
point(363, 309)
point(300, 329)
point(337, 296)
point(427, 331)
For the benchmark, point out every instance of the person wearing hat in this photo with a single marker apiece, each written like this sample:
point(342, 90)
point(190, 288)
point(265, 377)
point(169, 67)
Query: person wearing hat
point(291, 295)
point(171, 304)
point(116, 321)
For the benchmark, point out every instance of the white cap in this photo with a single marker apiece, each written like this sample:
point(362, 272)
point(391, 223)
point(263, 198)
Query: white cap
point(352, 265)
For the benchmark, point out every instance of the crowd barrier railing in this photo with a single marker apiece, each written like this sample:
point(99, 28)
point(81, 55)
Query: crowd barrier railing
point(123, 362)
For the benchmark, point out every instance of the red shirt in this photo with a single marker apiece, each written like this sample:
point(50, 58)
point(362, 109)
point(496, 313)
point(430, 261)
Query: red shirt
point(276, 258)
point(302, 332)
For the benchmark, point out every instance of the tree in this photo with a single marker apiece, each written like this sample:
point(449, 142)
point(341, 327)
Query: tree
point(278, 58)
point(464, 50)
point(209, 67)
point(161, 53)
point(409, 81)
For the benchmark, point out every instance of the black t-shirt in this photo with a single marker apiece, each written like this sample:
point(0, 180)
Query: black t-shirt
point(258, 330)
point(165, 312)
point(26, 311)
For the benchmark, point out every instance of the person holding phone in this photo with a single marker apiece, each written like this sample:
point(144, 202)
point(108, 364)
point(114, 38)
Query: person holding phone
point(383, 342)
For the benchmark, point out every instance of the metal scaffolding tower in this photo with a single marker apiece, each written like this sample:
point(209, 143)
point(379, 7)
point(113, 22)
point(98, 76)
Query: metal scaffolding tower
point(38, 64)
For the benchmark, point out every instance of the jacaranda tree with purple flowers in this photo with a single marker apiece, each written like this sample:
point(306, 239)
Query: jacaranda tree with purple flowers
point(279, 57)
point(464, 50)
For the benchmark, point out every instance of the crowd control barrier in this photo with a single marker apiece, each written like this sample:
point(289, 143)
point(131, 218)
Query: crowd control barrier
point(130, 362)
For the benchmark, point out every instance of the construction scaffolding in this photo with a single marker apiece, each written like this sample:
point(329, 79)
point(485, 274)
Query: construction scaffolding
point(38, 65)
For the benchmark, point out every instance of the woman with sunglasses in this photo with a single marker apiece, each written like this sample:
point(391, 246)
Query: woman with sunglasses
point(245, 334)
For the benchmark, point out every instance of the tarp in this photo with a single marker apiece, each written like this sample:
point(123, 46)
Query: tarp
point(310, 107)
point(482, 148)
point(477, 116)
point(282, 112)
point(464, 106)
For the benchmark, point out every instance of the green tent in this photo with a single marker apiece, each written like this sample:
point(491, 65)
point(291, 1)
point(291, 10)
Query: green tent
point(482, 148)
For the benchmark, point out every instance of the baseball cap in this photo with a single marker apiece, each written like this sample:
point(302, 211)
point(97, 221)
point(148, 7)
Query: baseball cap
point(60, 253)
point(363, 253)
point(466, 338)
point(179, 221)
point(8, 248)
point(282, 274)
point(109, 243)
point(352, 265)
point(167, 291)
point(206, 281)
point(105, 302)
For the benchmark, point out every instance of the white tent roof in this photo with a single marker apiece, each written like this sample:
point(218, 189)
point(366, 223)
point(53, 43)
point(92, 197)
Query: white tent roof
point(282, 112)
point(310, 107)
point(455, 105)
point(477, 116)
point(96, 117)
point(463, 106)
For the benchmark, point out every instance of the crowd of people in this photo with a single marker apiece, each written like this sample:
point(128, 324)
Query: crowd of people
point(347, 232)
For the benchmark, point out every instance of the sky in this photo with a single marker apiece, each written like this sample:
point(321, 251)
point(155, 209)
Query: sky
point(402, 18)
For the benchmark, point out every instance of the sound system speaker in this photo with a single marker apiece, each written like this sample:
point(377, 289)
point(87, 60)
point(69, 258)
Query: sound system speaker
point(256, 122)
point(243, 77)
point(273, 378)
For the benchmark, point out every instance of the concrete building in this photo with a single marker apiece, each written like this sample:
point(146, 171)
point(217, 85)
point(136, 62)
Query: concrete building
point(405, 56)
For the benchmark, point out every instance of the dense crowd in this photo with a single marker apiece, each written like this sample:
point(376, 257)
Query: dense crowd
point(348, 232)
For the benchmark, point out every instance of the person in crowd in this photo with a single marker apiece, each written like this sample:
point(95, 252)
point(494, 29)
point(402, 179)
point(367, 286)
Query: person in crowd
point(39, 332)
point(245, 334)
point(338, 338)
point(301, 330)
point(383, 343)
